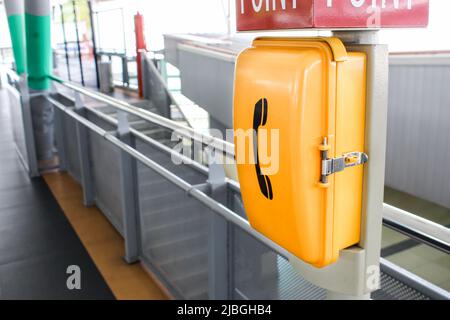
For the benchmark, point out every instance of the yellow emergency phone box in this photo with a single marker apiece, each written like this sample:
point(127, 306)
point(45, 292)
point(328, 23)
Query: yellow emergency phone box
point(305, 191)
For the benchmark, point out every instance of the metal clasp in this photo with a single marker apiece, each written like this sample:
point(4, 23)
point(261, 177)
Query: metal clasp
point(334, 165)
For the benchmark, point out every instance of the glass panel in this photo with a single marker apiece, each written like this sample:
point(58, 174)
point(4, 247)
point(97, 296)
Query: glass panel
point(174, 226)
point(422, 260)
point(262, 274)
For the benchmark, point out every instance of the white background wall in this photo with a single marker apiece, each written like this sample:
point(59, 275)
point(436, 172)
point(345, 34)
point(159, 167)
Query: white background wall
point(209, 16)
point(435, 37)
point(169, 16)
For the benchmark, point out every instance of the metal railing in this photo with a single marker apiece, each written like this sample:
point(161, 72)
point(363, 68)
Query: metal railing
point(125, 59)
point(431, 233)
point(192, 190)
point(418, 228)
point(185, 131)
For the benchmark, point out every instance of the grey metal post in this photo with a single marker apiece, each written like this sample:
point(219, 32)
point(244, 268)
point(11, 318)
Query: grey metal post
point(145, 75)
point(218, 277)
point(164, 73)
point(60, 140)
point(129, 192)
point(125, 74)
point(28, 127)
point(83, 154)
point(357, 272)
point(375, 141)
point(232, 203)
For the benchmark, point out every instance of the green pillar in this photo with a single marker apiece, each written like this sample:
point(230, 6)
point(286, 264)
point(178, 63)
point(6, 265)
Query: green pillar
point(16, 21)
point(39, 52)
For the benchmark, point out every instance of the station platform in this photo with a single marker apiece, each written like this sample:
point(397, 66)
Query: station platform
point(175, 246)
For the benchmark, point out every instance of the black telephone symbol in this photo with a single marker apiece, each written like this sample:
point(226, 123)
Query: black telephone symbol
point(260, 119)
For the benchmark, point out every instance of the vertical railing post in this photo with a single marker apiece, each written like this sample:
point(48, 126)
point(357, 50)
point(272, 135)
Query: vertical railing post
point(231, 204)
point(163, 71)
point(129, 192)
point(218, 276)
point(125, 74)
point(27, 119)
point(60, 139)
point(83, 154)
point(145, 75)
point(375, 140)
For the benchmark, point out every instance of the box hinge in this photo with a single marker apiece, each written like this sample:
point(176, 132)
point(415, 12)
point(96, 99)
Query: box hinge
point(333, 165)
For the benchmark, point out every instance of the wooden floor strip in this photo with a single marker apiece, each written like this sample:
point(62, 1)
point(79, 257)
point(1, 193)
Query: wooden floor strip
point(104, 244)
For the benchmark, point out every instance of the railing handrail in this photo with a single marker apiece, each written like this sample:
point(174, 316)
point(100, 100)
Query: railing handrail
point(217, 207)
point(429, 232)
point(419, 228)
point(219, 144)
point(12, 74)
point(234, 185)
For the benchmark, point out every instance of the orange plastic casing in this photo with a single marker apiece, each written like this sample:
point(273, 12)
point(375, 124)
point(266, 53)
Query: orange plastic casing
point(313, 89)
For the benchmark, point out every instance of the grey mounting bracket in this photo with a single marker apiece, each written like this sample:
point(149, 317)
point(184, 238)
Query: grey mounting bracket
point(346, 277)
point(79, 104)
point(216, 174)
point(123, 125)
point(357, 272)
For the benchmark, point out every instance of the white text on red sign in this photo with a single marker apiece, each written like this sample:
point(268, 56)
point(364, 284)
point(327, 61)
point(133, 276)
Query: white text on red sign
point(274, 5)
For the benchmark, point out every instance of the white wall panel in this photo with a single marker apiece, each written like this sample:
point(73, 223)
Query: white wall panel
point(418, 154)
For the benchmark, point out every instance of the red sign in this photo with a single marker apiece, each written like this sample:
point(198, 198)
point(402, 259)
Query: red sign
point(330, 14)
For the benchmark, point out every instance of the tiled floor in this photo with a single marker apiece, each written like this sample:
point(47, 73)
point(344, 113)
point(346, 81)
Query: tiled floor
point(103, 242)
point(37, 243)
point(422, 260)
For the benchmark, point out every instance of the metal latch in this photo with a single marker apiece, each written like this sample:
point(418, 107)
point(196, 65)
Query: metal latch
point(334, 165)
